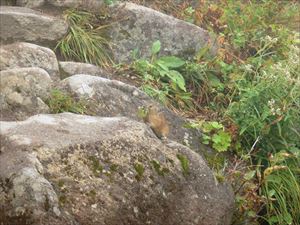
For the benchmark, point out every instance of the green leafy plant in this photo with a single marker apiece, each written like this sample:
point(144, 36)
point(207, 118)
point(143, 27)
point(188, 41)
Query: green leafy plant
point(188, 14)
point(162, 78)
point(60, 101)
point(268, 108)
point(213, 134)
point(86, 40)
point(184, 164)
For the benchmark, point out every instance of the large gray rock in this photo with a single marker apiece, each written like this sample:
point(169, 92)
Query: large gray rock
point(30, 3)
point(22, 92)
point(68, 69)
point(23, 24)
point(137, 27)
point(106, 97)
point(92, 5)
point(23, 54)
point(103, 171)
point(8, 2)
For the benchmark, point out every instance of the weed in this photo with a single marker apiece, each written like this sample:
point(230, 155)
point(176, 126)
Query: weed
point(161, 171)
point(213, 134)
point(60, 101)
point(184, 164)
point(113, 168)
point(85, 40)
point(254, 85)
point(162, 79)
point(281, 188)
point(97, 168)
point(139, 168)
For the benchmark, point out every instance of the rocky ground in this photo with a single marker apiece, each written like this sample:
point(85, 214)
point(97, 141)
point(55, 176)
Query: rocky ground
point(107, 167)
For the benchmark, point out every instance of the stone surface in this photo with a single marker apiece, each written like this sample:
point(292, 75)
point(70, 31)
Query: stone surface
point(68, 69)
point(30, 3)
point(114, 98)
point(138, 27)
point(23, 24)
point(8, 2)
point(28, 55)
point(82, 4)
point(74, 169)
point(22, 92)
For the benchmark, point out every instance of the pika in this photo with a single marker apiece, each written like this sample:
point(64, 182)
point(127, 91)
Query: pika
point(157, 122)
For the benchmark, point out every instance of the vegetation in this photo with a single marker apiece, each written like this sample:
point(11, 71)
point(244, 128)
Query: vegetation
point(184, 164)
point(160, 170)
point(139, 168)
point(162, 79)
point(247, 97)
point(60, 101)
point(86, 40)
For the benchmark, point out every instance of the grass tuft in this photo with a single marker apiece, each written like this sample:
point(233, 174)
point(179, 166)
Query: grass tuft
point(86, 40)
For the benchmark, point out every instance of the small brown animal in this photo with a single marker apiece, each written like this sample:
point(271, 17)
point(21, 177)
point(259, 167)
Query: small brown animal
point(157, 122)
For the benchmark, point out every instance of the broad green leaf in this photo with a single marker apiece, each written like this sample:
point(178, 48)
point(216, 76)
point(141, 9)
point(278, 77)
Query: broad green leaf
point(162, 72)
point(177, 78)
point(171, 62)
point(155, 47)
point(162, 66)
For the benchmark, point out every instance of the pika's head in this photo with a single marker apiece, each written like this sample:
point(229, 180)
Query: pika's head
point(152, 108)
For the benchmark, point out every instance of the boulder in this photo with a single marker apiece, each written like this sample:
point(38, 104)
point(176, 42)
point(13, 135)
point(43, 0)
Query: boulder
point(30, 3)
point(110, 98)
point(82, 4)
point(22, 92)
point(75, 169)
point(8, 2)
point(23, 24)
point(138, 27)
point(23, 54)
point(68, 69)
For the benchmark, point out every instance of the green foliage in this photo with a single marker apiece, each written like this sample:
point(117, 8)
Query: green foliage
point(109, 2)
point(155, 47)
point(162, 78)
point(184, 164)
point(254, 85)
point(60, 101)
point(160, 170)
point(97, 168)
point(249, 24)
point(139, 168)
point(281, 188)
point(85, 40)
point(213, 134)
point(142, 112)
point(188, 14)
point(268, 107)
